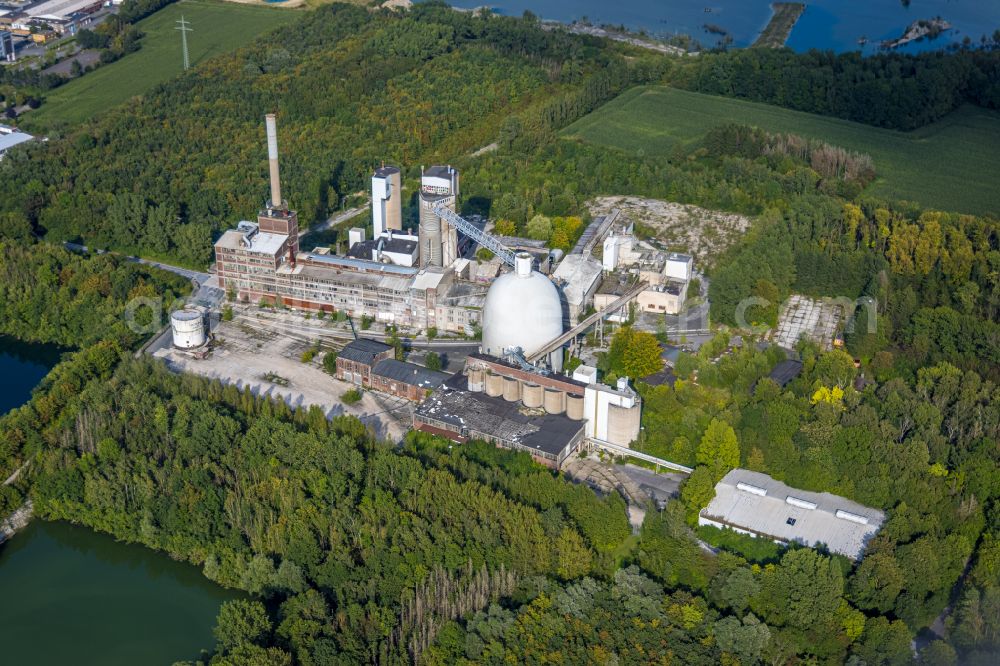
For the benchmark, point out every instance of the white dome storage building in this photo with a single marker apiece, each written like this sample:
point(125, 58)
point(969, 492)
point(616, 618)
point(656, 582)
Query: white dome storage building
point(522, 309)
point(188, 327)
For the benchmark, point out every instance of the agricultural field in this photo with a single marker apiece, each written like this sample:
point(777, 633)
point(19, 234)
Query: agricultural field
point(947, 165)
point(217, 27)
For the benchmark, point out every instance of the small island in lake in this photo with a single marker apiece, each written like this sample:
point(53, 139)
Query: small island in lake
point(919, 29)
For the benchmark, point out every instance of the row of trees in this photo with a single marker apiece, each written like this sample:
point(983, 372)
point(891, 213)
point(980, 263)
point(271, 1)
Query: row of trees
point(886, 90)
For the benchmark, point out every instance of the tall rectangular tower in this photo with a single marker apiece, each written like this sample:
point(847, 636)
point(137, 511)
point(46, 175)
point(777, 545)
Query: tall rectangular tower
point(387, 205)
point(438, 239)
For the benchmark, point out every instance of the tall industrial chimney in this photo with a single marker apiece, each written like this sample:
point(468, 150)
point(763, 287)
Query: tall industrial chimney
point(276, 218)
point(272, 160)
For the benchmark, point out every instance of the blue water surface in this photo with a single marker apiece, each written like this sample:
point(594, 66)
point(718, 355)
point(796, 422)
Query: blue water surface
point(835, 25)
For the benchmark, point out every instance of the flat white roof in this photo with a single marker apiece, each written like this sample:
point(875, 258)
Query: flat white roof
point(59, 9)
point(426, 279)
point(757, 503)
point(580, 274)
point(11, 139)
point(264, 242)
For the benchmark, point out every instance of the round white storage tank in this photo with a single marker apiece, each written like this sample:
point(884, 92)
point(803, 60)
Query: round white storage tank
point(523, 310)
point(188, 329)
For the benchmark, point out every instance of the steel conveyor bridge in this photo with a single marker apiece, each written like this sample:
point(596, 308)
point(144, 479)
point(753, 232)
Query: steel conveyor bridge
point(488, 241)
point(617, 304)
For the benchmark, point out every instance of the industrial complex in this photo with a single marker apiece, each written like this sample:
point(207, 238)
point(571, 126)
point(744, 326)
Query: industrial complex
point(511, 392)
point(528, 304)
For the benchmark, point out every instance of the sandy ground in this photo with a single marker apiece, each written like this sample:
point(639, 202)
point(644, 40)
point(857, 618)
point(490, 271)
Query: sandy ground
point(244, 357)
point(697, 231)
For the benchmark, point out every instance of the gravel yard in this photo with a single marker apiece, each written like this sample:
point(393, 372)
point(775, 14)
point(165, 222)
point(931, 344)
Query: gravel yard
point(270, 365)
point(702, 233)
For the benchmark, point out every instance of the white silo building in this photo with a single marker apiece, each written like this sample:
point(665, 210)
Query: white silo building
point(523, 310)
point(188, 327)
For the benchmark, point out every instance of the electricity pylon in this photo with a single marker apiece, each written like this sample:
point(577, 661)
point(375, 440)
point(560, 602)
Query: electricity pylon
point(185, 28)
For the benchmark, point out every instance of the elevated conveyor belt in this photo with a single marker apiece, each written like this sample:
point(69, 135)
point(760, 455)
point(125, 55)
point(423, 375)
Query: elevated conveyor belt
point(617, 304)
point(488, 241)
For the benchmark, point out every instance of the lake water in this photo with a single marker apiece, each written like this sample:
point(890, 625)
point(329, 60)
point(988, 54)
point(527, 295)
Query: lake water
point(22, 366)
point(69, 595)
point(826, 24)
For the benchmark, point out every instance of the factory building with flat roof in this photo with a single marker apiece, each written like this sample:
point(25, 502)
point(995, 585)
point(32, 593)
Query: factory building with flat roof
point(498, 400)
point(755, 504)
point(10, 137)
point(261, 262)
point(460, 414)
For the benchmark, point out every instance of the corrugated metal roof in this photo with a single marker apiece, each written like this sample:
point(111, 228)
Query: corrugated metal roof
point(11, 139)
point(363, 350)
point(361, 264)
point(408, 372)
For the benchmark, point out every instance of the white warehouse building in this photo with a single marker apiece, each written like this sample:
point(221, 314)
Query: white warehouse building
point(755, 504)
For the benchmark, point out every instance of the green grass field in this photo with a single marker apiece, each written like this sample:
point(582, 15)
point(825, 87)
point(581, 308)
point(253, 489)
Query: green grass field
point(950, 165)
point(217, 27)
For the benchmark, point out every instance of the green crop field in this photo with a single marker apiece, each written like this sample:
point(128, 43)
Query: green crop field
point(950, 165)
point(217, 27)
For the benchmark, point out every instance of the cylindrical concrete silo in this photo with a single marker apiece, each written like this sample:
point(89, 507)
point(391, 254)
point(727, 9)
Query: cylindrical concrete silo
point(494, 384)
point(188, 328)
point(531, 395)
point(554, 401)
point(574, 406)
point(430, 236)
point(511, 389)
point(477, 379)
point(623, 424)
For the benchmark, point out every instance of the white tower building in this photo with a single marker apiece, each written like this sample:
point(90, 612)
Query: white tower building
point(387, 207)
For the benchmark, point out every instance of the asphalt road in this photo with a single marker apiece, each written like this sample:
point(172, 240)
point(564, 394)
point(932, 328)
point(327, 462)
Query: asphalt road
point(197, 276)
point(334, 220)
point(660, 487)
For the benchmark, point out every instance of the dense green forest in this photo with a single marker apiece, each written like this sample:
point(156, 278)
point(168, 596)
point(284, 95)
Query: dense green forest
point(48, 294)
point(101, 306)
point(363, 552)
point(886, 90)
point(924, 451)
point(351, 89)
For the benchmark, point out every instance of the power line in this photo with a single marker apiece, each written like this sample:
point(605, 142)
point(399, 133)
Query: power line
point(185, 28)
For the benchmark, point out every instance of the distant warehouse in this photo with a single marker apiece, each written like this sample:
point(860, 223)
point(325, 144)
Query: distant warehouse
point(755, 504)
point(10, 137)
point(61, 10)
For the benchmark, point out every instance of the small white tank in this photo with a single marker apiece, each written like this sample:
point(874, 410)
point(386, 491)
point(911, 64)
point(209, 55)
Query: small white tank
point(188, 327)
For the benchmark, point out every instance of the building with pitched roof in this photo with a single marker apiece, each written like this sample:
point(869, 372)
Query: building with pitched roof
point(356, 361)
point(405, 380)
